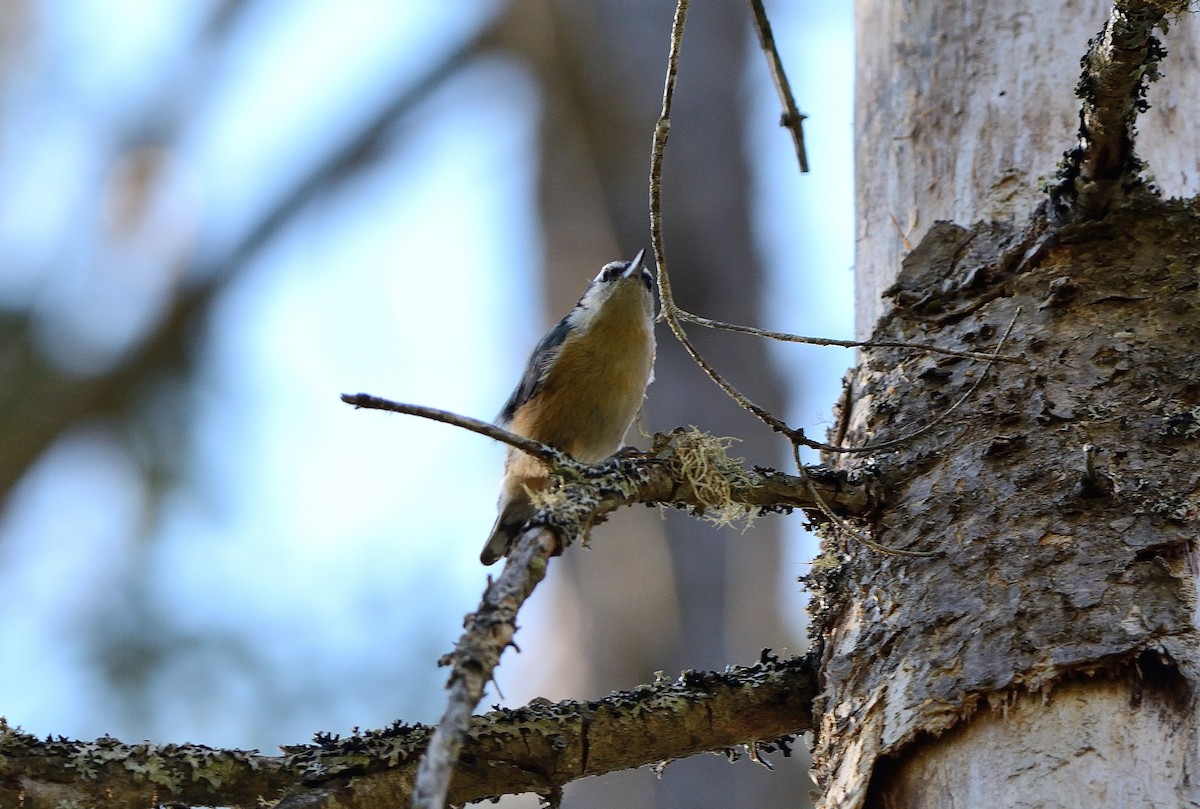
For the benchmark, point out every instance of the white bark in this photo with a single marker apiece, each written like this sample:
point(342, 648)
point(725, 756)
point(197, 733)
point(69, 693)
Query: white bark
point(963, 110)
point(1022, 754)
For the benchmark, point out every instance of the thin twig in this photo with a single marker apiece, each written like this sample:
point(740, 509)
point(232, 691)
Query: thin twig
point(557, 459)
point(792, 118)
point(489, 632)
point(904, 439)
point(683, 314)
point(661, 130)
point(669, 309)
point(824, 508)
point(672, 314)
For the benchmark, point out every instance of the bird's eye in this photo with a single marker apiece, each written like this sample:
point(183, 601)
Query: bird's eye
point(613, 271)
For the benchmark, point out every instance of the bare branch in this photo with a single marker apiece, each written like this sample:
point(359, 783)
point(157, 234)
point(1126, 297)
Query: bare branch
point(543, 452)
point(672, 314)
point(1120, 63)
point(792, 118)
point(661, 130)
point(666, 298)
point(830, 341)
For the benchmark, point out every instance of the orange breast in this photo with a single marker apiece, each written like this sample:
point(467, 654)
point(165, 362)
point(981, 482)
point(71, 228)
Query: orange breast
point(594, 390)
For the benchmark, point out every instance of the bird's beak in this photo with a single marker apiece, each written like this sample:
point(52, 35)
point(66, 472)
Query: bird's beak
point(635, 265)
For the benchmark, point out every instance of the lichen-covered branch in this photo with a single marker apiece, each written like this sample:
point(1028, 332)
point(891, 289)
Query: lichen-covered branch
point(489, 631)
point(37, 774)
point(684, 469)
point(540, 747)
point(1120, 63)
point(692, 461)
point(689, 469)
point(534, 748)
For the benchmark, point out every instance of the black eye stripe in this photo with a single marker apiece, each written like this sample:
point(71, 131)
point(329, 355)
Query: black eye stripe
point(613, 271)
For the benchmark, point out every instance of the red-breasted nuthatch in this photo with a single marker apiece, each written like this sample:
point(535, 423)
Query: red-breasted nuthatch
point(582, 388)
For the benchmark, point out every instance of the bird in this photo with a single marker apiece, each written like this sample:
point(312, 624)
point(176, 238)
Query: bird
point(582, 388)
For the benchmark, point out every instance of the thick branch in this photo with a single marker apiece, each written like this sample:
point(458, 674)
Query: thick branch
point(528, 749)
point(1120, 63)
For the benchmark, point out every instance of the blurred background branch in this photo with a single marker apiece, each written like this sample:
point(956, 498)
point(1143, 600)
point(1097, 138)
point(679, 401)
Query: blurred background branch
point(217, 216)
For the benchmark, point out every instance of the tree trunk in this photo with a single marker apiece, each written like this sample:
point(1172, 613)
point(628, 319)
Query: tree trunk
point(963, 110)
point(1047, 655)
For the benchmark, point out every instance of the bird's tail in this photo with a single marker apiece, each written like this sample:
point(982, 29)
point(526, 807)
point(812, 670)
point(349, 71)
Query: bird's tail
point(515, 511)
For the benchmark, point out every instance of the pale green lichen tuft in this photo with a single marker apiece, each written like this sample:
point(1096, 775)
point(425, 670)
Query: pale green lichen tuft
point(702, 461)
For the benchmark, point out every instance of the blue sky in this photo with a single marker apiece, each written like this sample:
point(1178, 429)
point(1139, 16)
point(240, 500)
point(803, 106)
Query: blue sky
point(314, 540)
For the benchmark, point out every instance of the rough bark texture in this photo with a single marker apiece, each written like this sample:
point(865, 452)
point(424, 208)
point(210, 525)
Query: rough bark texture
point(1050, 570)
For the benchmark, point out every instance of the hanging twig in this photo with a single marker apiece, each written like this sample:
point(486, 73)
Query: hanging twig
point(661, 130)
point(792, 119)
point(669, 311)
point(673, 315)
point(924, 428)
